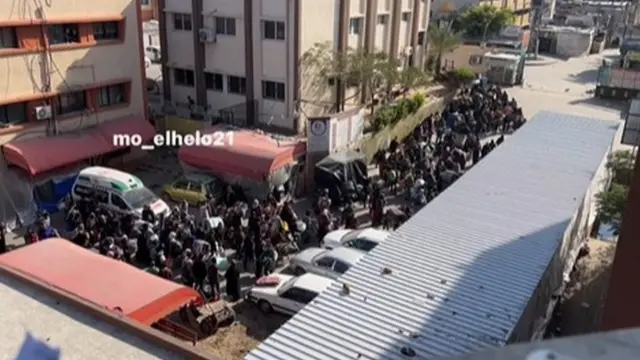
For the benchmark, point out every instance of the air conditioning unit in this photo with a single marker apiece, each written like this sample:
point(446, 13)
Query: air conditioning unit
point(43, 112)
point(207, 35)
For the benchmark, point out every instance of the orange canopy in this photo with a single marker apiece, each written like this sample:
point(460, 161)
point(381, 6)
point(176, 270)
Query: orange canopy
point(43, 154)
point(103, 281)
point(248, 154)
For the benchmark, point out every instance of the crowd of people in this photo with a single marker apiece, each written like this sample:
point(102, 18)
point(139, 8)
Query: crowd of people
point(194, 248)
point(445, 145)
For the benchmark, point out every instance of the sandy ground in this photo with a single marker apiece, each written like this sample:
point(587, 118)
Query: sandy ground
point(251, 328)
point(581, 306)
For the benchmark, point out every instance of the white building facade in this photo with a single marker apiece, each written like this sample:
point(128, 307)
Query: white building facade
point(243, 56)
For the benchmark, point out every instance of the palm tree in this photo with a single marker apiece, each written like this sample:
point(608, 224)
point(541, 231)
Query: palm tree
point(442, 40)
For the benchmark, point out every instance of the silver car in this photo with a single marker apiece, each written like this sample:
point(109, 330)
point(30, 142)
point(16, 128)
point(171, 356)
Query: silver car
point(323, 262)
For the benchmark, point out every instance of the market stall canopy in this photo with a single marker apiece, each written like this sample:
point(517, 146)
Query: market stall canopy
point(106, 282)
point(247, 153)
point(42, 154)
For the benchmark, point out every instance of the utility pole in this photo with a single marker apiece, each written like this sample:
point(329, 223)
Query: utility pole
point(45, 71)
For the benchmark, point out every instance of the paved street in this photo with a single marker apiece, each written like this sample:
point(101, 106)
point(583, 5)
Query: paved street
point(565, 86)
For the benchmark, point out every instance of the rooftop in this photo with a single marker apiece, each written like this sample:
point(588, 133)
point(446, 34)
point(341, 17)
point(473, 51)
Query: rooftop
point(80, 336)
point(460, 272)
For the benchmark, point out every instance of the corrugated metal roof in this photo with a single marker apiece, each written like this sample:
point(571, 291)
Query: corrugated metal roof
point(464, 267)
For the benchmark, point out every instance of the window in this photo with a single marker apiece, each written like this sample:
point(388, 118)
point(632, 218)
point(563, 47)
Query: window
point(340, 267)
point(273, 30)
point(83, 191)
point(183, 77)
point(111, 95)
point(8, 38)
point(294, 294)
point(225, 26)
point(118, 202)
point(89, 193)
point(366, 245)
point(101, 196)
point(70, 102)
point(236, 85)
point(383, 19)
point(273, 90)
point(304, 296)
point(475, 60)
point(325, 262)
point(181, 184)
point(106, 30)
point(144, 2)
point(355, 26)
point(406, 16)
point(63, 34)
point(139, 197)
point(214, 81)
point(12, 114)
point(182, 22)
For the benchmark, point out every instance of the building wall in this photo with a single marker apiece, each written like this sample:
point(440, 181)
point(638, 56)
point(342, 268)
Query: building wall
point(466, 56)
point(149, 10)
point(573, 43)
point(317, 97)
point(84, 66)
point(275, 61)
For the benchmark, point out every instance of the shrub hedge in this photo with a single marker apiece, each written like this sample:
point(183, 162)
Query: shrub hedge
point(392, 113)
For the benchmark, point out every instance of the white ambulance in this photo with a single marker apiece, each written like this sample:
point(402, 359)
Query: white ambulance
point(117, 190)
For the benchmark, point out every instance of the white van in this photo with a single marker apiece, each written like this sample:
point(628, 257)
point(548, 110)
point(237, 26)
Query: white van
point(117, 191)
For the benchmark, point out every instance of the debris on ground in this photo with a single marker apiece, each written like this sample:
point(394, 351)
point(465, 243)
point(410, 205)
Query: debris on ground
point(580, 308)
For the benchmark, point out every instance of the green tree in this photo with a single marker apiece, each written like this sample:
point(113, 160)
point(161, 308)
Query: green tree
point(611, 205)
point(412, 77)
point(611, 202)
point(442, 41)
point(621, 165)
point(370, 73)
point(480, 22)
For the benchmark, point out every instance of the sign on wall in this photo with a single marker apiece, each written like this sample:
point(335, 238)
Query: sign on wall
point(335, 132)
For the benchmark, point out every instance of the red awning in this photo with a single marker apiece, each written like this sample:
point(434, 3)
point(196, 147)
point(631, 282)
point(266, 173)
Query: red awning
point(111, 284)
point(44, 154)
point(40, 155)
point(249, 154)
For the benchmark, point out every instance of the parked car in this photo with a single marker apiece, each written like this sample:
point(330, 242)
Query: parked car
point(153, 53)
point(364, 240)
point(286, 294)
point(323, 262)
point(194, 188)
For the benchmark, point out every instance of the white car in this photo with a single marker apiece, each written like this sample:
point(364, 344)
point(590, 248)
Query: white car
point(286, 294)
point(323, 262)
point(364, 240)
point(153, 53)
